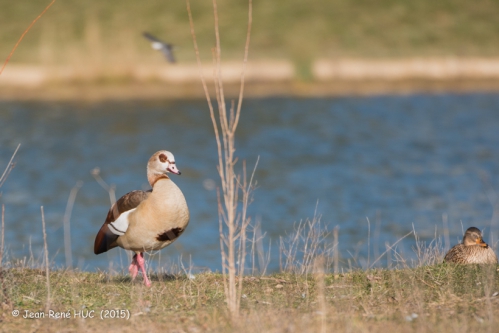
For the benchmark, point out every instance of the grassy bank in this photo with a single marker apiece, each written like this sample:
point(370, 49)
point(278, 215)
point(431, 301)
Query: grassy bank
point(437, 298)
point(109, 33)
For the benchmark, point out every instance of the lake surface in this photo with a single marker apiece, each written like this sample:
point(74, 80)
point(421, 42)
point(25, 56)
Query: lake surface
point(399, 161)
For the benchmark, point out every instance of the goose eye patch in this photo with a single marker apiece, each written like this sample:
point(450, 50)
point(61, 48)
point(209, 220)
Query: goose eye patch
point(163, 158)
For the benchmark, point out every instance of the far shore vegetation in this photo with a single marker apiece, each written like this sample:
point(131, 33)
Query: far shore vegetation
point(110, 32)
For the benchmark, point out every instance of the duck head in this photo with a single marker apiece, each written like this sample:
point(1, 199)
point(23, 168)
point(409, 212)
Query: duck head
point(473, 236)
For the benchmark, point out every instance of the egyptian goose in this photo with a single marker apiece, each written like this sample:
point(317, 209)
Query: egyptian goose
point(473, 250)
point(143, 221)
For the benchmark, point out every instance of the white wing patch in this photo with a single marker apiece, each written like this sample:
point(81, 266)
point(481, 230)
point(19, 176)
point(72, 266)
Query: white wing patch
point(157, 45)
point(120, 226)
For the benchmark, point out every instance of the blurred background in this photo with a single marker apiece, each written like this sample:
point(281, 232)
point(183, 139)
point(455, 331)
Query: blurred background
point(102, 41)
point(379, 118)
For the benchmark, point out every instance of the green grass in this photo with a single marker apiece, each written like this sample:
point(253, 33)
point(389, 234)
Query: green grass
point(444, 298)
point(108, 32)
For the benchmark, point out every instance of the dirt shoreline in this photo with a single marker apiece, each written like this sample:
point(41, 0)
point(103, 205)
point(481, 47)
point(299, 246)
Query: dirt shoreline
point(340, 77)
point(158, 91)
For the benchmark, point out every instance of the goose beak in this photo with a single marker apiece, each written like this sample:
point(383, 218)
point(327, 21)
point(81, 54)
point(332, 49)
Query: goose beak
point(173, 169)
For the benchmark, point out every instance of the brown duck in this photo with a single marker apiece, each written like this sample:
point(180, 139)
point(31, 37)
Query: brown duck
point(473, 250)
point(143, 221)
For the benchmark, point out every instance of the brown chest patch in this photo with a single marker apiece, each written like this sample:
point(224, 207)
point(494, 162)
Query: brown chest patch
point(170, 234)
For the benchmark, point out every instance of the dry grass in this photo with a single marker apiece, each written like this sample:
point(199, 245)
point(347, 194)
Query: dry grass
point(305, 245)
point(437, 298)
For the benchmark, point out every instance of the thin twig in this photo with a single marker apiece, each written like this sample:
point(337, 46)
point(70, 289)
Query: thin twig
point(246, 52)
point(222, 247)
point(46, 259)
point(3, 233)
point(205, 87)
point(22, 36)
point(368, 242)
point(9, 167)
point(109, 188)
point(389, 248)
point(445, 222)
point(336, 257)
point(67, 224)
point(2, 279)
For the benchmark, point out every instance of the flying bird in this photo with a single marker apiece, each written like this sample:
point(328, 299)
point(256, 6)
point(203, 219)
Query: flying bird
point(143, 221)
point(157, 44)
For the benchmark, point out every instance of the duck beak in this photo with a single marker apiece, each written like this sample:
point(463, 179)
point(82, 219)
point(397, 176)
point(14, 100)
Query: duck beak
point(480, 242)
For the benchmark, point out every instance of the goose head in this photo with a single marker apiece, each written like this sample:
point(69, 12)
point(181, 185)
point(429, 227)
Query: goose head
point(160, 164)
point(473, 236)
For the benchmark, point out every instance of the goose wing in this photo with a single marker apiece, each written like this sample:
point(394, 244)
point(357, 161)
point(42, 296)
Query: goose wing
point(116, 222)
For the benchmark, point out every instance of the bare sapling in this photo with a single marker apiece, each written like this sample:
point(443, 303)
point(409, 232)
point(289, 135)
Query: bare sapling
point(233, 219)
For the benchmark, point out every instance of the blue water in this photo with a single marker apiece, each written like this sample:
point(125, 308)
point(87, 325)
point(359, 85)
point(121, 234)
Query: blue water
point(399, 161)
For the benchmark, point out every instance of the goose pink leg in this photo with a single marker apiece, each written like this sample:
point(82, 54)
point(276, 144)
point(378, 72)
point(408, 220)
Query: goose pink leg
point(134, 267)
point(142, 266)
